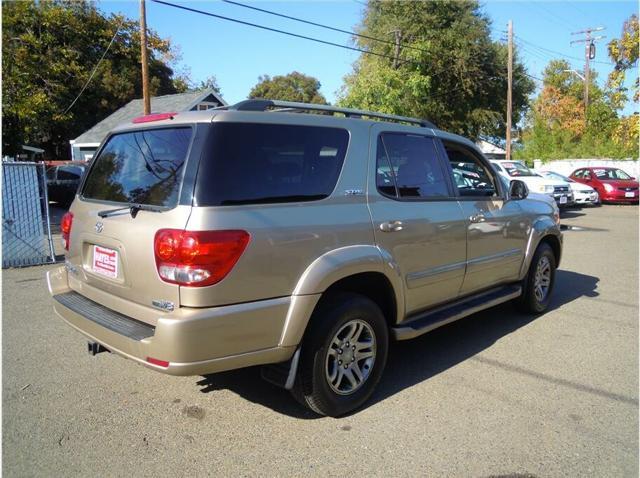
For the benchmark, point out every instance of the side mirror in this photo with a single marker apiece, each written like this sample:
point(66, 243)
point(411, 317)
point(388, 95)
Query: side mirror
point(518, 190)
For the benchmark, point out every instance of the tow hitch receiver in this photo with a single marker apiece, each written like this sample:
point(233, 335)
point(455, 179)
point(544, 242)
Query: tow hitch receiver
point(95, 348)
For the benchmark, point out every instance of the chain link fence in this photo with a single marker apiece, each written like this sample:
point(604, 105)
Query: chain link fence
point(26, 228)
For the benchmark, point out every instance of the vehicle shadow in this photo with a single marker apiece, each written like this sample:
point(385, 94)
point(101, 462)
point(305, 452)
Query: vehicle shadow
point(414, 361)
point(570, 213)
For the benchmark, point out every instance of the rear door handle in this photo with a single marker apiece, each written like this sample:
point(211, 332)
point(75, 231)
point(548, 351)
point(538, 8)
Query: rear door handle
point(477, 218)
point(391, 226)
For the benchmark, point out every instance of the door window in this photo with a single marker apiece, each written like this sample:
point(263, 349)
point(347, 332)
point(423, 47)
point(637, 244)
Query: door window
point(470, 175)
point(407, 166)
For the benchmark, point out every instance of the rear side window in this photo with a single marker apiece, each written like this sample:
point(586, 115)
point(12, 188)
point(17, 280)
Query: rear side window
point(143, 167)
point(250, 163)
point(408, 167)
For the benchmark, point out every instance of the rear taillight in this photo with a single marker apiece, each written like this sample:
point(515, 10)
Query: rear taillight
point(65, 227)
point(197, 258)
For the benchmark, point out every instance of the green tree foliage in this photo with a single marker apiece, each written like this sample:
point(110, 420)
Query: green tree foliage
point(449, 70)
point(623, 52)
point(292, 87)
point(49, 49)
point(557, 127)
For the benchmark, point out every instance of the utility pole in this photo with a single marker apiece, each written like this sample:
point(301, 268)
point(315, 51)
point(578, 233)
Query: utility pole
point(396, 55)
point(589, 54)
point(143, 59)
point(509, 89)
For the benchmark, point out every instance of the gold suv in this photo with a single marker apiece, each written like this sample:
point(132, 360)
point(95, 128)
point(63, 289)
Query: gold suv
point(267, 234)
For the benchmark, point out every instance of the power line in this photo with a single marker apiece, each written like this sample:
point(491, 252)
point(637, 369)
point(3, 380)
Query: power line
point(283, 32)
point(94, 70)
point(308, 22)
point(304, 37)
point(558, 53)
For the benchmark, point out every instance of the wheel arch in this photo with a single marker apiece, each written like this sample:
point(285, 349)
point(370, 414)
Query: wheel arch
point(366, 270)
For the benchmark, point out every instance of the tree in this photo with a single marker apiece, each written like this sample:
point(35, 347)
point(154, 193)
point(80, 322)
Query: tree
point(448, 69)
point(49, 50)
point(624, 53)
point(211, 83)
point(292, 87)
point(557, 127)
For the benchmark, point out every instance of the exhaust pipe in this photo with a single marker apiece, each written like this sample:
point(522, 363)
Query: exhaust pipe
point(95, 348)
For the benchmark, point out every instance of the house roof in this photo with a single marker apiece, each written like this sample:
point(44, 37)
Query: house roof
point(490, 148)
point(133, 109)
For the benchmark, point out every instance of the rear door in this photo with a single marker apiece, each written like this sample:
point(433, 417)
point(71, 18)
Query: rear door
point(496, 228)
point(415, 215)
point(112, 257)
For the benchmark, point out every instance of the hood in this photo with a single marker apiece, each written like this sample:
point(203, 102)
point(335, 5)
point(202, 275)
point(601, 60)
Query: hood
point(537, 183)
point(576, 186)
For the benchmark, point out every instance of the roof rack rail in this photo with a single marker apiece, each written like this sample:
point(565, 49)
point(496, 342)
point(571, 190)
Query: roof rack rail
point(263, 105)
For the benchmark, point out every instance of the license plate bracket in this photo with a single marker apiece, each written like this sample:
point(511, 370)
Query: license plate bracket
point(563, 199)
point(629, 194)
point(105, 261)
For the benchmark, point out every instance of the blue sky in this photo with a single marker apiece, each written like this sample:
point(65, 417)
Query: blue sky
point(237, 55)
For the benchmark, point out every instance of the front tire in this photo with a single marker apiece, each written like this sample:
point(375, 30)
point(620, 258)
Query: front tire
point(539, 282)
point(343, 355)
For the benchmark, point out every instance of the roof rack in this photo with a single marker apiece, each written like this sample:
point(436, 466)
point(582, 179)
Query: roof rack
point(264, 105)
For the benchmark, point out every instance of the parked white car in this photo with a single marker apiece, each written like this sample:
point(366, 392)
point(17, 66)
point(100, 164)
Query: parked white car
point(583, 194)
point(557, 189)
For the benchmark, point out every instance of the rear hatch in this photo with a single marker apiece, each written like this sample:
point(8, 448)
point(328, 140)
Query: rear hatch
point(131, 190)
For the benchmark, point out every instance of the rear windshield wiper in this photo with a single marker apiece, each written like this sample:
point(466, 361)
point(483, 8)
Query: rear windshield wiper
point(133, 209)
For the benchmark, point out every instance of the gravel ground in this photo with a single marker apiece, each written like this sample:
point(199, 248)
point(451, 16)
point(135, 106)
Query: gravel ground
point(496, 394)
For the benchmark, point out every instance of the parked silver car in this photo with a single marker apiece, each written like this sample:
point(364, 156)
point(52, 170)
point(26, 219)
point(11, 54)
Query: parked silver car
point(259, 234)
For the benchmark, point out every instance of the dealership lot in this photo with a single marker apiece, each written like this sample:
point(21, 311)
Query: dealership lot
point(497, 393)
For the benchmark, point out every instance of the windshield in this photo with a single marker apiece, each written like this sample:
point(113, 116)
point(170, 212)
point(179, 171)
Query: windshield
point(557, 176)
point(608, 174)
point(143, 167)
point(517, 169)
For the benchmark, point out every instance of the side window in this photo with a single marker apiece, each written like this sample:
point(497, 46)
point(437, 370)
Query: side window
point(407, 166)
point(579, 173)
point(471, 176)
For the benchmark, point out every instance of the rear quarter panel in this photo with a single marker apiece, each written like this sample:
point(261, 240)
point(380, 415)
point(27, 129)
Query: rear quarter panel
point(287, 238)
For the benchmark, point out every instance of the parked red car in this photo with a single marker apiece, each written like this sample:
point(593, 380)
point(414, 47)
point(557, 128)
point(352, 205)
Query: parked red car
point(612, 184)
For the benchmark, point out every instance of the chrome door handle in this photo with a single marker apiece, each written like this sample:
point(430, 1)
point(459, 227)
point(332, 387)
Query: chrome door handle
point(391, 226)
point(477, 218)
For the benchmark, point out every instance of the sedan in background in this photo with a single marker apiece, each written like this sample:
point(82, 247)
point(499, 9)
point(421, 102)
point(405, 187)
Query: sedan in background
point(558, 190)
point(612, 184)
point(583, 194)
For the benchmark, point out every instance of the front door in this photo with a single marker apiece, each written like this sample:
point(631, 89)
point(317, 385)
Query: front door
point(496, 228)
point(415, 215)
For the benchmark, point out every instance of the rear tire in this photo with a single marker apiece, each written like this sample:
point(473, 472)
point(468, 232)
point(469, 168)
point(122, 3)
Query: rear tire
point(343, 355)
point(538, 285)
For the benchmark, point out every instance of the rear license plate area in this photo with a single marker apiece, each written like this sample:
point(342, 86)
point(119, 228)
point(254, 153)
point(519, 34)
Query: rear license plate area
point(105, 261)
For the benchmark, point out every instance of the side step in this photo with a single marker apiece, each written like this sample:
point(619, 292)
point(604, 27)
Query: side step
point(438, 317)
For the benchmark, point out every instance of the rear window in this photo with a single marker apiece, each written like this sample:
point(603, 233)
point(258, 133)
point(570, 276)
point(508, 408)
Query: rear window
point(248, 163)
point(143, 167)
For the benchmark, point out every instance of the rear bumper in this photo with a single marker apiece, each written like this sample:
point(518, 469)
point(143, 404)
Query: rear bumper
point(192, 341)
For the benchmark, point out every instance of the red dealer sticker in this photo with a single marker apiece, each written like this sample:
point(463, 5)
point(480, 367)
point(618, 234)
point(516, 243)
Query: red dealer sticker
point(105, 261)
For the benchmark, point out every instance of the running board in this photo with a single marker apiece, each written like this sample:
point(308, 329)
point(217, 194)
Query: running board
point(435, 318)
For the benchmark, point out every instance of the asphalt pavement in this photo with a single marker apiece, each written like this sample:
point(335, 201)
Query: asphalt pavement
point(496, 394)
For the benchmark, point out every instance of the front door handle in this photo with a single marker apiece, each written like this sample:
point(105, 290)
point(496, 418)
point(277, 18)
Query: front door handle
point(391, 226)
point(477, 218)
